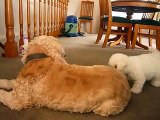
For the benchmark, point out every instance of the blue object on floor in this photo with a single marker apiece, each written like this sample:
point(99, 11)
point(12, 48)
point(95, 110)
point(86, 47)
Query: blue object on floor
point(71, 26)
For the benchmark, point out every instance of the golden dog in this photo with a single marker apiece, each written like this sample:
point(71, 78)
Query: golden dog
point(47, 80)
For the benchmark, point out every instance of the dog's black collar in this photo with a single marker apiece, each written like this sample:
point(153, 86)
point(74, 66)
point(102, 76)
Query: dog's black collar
point(35, 56)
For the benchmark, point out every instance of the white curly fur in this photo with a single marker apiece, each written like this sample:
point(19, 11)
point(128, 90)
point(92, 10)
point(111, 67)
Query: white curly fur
point(139, 68)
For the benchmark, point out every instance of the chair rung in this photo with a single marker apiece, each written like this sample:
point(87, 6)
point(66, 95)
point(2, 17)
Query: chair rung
point(118, 32)
point(146, 35)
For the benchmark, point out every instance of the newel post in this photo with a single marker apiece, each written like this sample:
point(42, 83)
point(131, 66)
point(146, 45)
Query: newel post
point(11, 49)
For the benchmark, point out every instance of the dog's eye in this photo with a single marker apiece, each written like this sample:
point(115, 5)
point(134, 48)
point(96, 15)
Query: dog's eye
point(115, 66)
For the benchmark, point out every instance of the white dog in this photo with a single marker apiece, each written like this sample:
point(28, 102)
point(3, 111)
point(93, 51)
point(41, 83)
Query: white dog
point(140, 68)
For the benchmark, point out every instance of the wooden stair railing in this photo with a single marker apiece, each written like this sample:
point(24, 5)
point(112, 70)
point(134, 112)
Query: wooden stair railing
point(51, 20)
point(35, 19)
point(21, 23)
point(28, 20)
point(10, 47)
point(48, 18)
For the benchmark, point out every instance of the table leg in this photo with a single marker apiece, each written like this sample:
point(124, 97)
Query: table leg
point(117, 41)
point(129, 13)
point(115, 38)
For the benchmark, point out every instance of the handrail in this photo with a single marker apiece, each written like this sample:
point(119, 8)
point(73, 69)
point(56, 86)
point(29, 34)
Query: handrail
point(51, 13)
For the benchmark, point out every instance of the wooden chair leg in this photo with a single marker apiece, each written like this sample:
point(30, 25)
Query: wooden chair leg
point(79, 26)
point(90, 27)
point(150, 39)
point(128, 38)
point(150, 42)
point(100, 33)
point(136, 27)
point(108, 32)
point(158, 39)
point(140, 37)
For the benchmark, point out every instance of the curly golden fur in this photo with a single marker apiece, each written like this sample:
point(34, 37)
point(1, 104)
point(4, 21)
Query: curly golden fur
point(47, 45)
point(53, 83)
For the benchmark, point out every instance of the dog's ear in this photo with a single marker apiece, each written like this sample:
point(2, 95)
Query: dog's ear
point(121, 65)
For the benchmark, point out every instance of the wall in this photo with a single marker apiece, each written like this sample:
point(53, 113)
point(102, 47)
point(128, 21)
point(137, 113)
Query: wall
point(2, 21)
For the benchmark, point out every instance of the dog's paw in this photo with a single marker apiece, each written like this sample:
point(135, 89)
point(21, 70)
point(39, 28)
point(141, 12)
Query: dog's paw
point(135, 90)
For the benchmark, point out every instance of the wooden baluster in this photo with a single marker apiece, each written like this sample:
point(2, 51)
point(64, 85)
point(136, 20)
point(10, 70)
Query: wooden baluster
point(21, 23)
point(57, 24)
point(52, 17)
point(62, 6)
point(55, 17)
point(48, 18)
point(28, 20)
point(35, 19)
point(11, 49)
point(66, 8)
point(63, 13)
point(44, 18)
point(40, 17)
point(60, 14)
point(61, 20)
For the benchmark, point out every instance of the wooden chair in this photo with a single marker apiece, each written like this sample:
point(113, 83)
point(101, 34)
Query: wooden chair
point(150, 25)
point(149, 22)
point(151, 16)
point(86, 13)
point(147, 16)
point(106, 19)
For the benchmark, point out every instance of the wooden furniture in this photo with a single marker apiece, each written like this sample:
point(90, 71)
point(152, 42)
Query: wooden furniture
point(135, 6)
point(146, 16)
point(10, 47)
point(106, 19)
point(147, 24)
point(150, 17)
point(86, 13)
point(53, 17)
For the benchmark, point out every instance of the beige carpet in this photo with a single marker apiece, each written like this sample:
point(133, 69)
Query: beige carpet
point(83, 51)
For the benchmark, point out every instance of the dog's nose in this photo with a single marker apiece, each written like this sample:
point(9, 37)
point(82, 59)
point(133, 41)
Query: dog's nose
point(65, 55)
